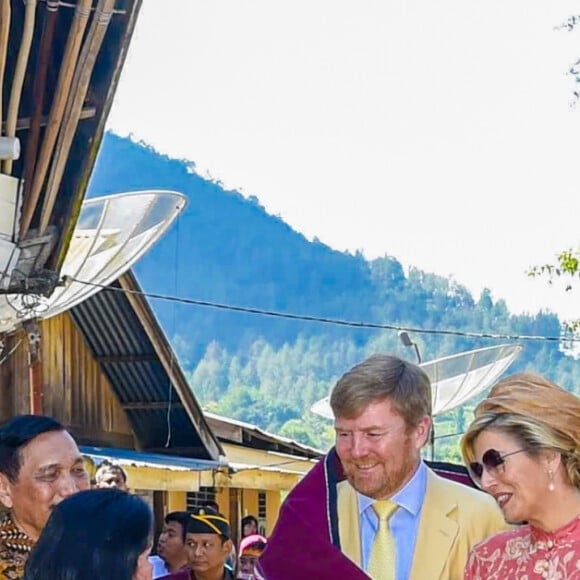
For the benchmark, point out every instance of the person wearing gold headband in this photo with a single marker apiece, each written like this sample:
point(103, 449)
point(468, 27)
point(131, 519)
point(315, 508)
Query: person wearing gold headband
point(207, 544)
point(523, 448)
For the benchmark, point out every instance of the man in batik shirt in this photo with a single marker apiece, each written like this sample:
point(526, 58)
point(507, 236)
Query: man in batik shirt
point(40, 465)
point(14, 549)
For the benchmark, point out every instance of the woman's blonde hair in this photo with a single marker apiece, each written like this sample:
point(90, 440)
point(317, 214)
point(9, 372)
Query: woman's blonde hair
point(539, 414)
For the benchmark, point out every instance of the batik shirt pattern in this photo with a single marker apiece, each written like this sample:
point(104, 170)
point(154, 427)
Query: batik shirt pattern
point(15, 548)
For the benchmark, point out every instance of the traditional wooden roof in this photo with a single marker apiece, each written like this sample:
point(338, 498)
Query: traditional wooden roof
point(125, 338)
point(60, 63)
point(251, 436)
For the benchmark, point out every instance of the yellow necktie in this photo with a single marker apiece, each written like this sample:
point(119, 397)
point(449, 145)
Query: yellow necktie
point(382, 561)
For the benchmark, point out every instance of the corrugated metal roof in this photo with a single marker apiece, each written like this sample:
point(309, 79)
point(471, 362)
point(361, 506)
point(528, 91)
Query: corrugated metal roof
point(125, 351)
point(140, 459)
point(277, 440)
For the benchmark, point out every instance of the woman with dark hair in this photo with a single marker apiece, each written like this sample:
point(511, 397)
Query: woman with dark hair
point(102, 533)
point(249, 526)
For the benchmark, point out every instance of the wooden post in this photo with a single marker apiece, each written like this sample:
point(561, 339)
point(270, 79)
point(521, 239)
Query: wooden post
point(35, 377)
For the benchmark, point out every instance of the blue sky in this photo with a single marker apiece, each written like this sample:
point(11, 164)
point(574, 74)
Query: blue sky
point(438, 133)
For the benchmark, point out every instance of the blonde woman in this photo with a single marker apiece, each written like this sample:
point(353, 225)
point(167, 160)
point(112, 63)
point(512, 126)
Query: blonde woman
point(523, 448)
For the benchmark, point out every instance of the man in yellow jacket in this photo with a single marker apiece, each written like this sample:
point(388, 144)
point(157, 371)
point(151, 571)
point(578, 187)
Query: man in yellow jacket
point(372, 507)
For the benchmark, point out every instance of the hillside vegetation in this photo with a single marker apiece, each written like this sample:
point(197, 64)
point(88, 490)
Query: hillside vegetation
point(268, 370)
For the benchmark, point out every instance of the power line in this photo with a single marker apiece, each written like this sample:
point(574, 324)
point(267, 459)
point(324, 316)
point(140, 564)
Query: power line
point(324, 320)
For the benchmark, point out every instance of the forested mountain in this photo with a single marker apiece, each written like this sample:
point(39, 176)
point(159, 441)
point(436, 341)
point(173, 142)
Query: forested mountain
point(227, 249)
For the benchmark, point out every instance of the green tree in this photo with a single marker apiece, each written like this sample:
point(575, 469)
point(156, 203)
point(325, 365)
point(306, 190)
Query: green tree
point(567, 268)
point(210, 379)
point(570, 24)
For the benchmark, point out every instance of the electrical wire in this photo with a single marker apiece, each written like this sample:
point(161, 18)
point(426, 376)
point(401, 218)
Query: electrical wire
point(326, 320)
point(273, 465)
point(172, 352)
point(10, 352)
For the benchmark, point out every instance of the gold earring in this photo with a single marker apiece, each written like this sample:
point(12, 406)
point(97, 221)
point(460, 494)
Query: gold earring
point(551, 484)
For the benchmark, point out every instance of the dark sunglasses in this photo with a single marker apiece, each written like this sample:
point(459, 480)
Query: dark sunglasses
point(491, 460)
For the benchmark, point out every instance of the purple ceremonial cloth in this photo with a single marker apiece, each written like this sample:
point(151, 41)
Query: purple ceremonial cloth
point(305, 542)
point(181, 575)
point(451, 471)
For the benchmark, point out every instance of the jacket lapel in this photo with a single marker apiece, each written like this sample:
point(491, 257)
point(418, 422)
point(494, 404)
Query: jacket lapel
point(348, 522)
point(437, 531)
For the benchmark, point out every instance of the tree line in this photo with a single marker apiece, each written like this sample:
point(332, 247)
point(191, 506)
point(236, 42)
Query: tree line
point(227, 250)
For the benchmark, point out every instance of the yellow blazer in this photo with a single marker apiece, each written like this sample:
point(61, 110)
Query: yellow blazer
point(454, 518)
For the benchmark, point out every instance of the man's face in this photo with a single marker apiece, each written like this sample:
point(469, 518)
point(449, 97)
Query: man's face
point(112, 478)
point(52, 469)
point(170, 546)
point(206, 553)
point(378, 451)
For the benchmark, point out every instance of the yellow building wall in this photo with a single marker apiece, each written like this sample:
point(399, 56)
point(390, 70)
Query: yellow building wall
point(250, 502)
point(273, 502)
point(154, 479)
point(176, 501)
point(250, 499)
point(223, 499)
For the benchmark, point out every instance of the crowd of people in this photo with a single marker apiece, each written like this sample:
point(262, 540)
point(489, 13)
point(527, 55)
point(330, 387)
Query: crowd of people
point(60, 525)
point(198, 543)
point(373, 508)
point(370, 508)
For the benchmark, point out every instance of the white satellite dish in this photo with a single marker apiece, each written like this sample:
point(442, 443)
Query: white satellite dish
point(111, 234)
point(457, 378)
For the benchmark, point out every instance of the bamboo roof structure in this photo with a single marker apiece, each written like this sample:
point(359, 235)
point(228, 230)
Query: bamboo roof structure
point(60, 63)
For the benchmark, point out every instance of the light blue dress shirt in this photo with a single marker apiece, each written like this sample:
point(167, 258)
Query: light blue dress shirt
point(404, 523)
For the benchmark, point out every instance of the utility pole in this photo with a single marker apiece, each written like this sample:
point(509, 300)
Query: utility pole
point(35, 375)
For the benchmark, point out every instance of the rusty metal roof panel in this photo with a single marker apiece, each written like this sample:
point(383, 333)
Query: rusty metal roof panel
point(159, 410)
point(113, 327)
point(143, 381)
point(165, 429)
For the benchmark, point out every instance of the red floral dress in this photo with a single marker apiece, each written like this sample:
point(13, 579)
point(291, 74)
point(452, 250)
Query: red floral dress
point(527, 553)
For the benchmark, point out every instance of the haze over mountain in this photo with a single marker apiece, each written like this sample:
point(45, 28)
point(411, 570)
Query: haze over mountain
point(227, 249)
